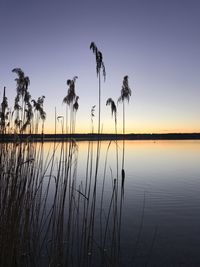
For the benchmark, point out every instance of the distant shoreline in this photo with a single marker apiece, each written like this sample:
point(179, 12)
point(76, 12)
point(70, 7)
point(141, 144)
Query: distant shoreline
point(95, 137)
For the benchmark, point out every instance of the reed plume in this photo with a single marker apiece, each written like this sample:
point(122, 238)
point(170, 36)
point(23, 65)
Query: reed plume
point(71, 99)
point(40, 113)
point(22, 107)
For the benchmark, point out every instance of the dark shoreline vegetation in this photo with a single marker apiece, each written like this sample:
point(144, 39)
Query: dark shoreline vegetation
point(96, 137)
point(50, 215)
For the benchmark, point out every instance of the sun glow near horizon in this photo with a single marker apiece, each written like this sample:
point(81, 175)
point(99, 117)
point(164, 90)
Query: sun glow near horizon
point(84, 128)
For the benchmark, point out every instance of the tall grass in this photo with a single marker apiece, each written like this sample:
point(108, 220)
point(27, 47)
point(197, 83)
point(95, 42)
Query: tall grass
point(48, 215)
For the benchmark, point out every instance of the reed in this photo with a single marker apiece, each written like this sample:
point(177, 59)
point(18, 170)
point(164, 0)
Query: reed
point(45, 214)
point(49, 216)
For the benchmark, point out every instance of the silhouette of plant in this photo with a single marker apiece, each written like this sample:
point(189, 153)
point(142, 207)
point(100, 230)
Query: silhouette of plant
point(76, 105)
point(113, 107)
point(4, 112)
point(125, 95)
point(99, 60)
point(61, 120)
point(99, 66)
point(111, 102)
point(75, 108)
point(22, 101)
point(44, 225)
point(40, 113)
point(125, 91)
point(92, 116)
point(71, 99)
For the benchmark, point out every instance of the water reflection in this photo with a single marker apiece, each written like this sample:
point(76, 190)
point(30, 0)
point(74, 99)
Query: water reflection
point(55, 210)
point(161, 210)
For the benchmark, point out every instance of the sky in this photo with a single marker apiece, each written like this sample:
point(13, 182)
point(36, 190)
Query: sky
point(155, 42)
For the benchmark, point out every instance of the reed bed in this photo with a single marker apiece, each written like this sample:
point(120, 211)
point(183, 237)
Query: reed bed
point(48, 215)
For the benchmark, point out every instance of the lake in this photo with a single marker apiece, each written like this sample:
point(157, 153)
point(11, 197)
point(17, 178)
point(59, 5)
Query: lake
point(65, 204)
point(161, 205)
point(167, 175)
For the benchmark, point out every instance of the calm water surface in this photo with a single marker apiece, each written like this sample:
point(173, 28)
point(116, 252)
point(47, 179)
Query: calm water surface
point(161, 209)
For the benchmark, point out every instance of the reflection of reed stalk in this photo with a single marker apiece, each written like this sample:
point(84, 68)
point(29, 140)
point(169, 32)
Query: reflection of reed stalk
point(102, 196)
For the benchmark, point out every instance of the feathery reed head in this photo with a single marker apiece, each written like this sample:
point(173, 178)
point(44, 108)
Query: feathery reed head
point(22, 80)
point(125, 91)
point(76, 105)
point(71, 95)
point(38, 106)
point(99, 60)
point(111, 102)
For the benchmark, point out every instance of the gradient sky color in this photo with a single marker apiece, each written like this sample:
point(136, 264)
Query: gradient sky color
point(155, 42)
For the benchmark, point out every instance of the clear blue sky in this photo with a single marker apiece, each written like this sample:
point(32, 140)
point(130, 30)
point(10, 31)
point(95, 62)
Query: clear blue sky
point(155, 42)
